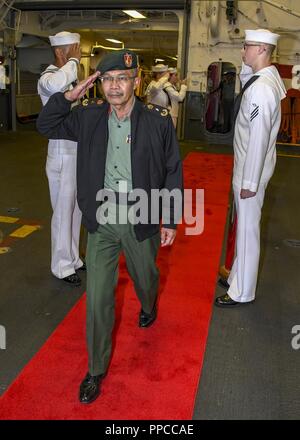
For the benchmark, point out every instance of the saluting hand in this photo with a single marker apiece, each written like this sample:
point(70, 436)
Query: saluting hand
point(75, 51)
point(82, 87)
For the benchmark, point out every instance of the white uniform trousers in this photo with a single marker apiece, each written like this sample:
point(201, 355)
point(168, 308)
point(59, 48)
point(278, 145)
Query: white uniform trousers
point(66, 219)
point(243, 275)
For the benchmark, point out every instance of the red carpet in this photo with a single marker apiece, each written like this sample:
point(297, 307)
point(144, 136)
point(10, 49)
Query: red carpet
point(154, 372)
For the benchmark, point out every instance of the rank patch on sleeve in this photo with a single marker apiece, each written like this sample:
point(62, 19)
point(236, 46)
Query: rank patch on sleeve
point(254, 113)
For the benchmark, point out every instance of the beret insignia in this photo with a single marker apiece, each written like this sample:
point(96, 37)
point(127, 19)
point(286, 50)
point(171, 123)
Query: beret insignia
point(128, 59)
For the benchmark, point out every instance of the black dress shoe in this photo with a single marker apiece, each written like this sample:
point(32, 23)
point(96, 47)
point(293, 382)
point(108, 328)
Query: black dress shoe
point(73, 279)
point(146, 319)
point(83, 267)
point(226, 301)
point(90, 388)
point(223, 283)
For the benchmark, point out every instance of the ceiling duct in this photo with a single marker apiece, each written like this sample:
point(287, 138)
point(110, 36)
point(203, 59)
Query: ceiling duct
point(47, 5)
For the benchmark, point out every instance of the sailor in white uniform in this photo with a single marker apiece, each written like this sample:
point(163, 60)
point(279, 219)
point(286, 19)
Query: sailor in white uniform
point(61, 163)
point(255, 134)
point(155, 92)
point(176, 96)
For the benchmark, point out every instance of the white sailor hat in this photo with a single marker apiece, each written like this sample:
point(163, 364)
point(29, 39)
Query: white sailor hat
point(158, 68)
point(172, 70)
point(261, 36)
point(63, 38)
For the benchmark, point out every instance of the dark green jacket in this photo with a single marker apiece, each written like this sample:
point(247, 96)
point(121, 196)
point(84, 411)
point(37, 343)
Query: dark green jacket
point(155, 157)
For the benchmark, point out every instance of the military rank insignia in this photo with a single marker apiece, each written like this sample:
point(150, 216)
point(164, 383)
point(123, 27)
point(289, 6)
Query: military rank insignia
point(85, 102)
point(159, 110)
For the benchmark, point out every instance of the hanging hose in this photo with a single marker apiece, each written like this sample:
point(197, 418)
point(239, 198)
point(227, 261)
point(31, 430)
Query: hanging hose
point(214, 18)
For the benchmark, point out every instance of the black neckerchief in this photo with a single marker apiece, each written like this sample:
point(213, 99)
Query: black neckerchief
point(238, 99)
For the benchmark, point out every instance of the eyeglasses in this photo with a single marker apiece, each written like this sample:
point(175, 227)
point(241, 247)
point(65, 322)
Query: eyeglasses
point(120, 79)
point(245, 45)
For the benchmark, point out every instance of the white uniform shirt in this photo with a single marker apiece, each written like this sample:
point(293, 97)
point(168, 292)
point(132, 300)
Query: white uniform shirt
point(53, 80)
point(156, 94)
point(175, 97)
point(256, 130)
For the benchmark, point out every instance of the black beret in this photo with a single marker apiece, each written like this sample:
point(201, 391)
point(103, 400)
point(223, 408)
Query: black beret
point(119, 60)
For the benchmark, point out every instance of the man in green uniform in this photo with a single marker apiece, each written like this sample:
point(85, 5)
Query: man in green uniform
point(123, 146)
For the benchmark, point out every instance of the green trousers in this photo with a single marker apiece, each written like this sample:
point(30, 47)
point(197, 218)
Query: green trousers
point(102, 259)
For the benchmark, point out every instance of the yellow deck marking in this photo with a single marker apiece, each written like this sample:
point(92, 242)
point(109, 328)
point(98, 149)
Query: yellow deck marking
point(288, 155)
point(288, 144)
point(24, 231)
point(4, 250)
point(4, 219)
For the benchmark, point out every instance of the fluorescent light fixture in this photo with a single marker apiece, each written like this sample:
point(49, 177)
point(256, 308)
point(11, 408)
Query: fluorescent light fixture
point(134, 14)
point(159, 59)
point(112, 40)
point(106, 47)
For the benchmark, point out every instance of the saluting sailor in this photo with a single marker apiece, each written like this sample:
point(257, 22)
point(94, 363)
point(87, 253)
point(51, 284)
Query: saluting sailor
point(121, 141)
point(156, 91)
point(176, 96)
point(255, 134)
point(61, 163)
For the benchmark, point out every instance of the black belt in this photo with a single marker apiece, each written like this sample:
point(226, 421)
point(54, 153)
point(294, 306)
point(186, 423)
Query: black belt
point(120, 198)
